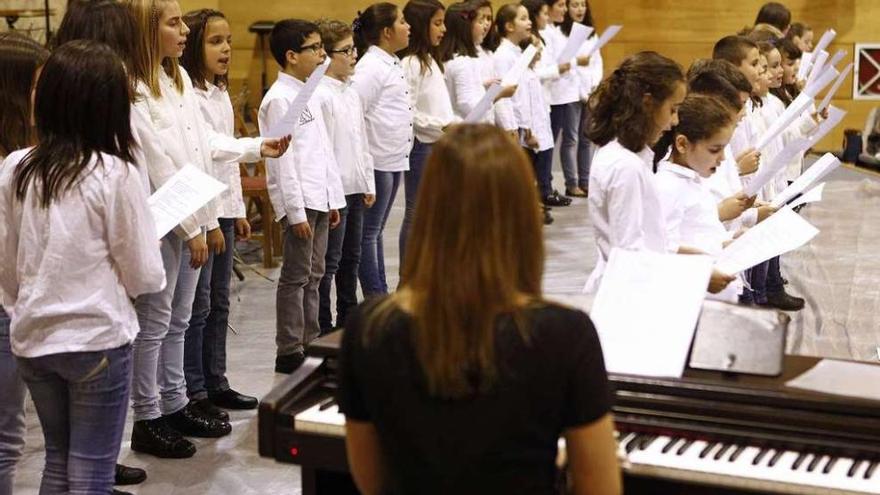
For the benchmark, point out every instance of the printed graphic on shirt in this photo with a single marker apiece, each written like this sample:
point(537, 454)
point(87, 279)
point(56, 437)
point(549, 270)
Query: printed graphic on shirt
point(306, 117)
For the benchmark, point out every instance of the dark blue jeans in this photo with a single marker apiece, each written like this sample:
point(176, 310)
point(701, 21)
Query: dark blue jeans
point(12, 392)
point(765, 279)
point(566, 120)
point(542, 161)
point(417, 158)
point(81, 399)
point(342, 261)
point(584, 153)
point(371, 272)
point(204, 350)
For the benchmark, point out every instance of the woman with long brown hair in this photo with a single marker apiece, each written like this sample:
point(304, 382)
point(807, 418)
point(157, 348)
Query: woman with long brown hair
point(463, 380)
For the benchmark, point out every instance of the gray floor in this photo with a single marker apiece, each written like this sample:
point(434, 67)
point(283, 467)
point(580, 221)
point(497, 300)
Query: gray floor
point(838, 273)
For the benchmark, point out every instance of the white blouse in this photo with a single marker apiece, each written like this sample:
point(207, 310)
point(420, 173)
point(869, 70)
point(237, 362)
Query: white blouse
point(429, 97)
point(590, 75)
point(529, 107)
point(502, 110)
point(380, 81)
point(68, 272)
point(306, 176)
point(464, 81)
point(344, 118)
point(565, 88)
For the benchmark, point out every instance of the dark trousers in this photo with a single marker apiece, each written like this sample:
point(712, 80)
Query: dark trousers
point(341, 263)
point(542, 161)
point(204, 353)
point(412, 178)
point(765, 278)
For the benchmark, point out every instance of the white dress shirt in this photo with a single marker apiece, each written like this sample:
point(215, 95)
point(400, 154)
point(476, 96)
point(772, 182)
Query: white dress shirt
point(429, 97)
point(624, 205)
point(68, 271)
point(347, 130)
point(502, 110)
point(547, 68)
point(565, 88)
point(464, 81)
point(590, 75)
point(380, 81)
point(530, 109)
point(508, 117)
point(226, 151)
point(306, 176)
point(725, 183)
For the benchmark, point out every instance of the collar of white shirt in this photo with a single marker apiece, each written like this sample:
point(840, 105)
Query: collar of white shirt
point(290, 81)
point(212, 89)
point(383, 55)
point(678, 170)
point(336, 84)
point(509, 44)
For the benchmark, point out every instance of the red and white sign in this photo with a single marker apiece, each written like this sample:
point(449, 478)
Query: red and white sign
point(866, 80)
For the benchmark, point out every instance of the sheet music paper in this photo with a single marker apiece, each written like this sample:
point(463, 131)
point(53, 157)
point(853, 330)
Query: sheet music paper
point(806, 64)
point(782, 232)
point(817, 171)
point(511, 78)
point(577, 37)
point(181, 196)
point(831, 92)
point(818, 65)
point(814, 195)
point(821, 82)
point(797, 107)
point(838, 56)
point(835, 116)
point(845, 378)
point(290, 121)
point(603, 40)
point(641, 342)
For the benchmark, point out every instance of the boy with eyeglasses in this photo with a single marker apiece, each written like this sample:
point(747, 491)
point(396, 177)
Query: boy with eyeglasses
point(305, 189)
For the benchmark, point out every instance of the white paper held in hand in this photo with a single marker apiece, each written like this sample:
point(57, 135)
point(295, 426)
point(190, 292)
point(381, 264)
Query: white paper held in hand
point(603, 40)
point(668, 290)
point(814, 195)
point(576, 38)
point(804, 68)
point(821, 56)
point(288, 124)
point(831, 92)
point(181, 196)
point(817, 171)
point(782, 232)
point(511, 78)
point(797, 107)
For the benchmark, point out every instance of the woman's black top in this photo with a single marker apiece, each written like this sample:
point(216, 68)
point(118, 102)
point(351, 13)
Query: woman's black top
point(501, 441)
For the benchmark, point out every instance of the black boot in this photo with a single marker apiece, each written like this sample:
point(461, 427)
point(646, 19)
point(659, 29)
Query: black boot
point(154, 436)
point(230, 399)
point(206, 408)
point(288, 363)
point(190, 423)
point(126, 475)
point(785, 301)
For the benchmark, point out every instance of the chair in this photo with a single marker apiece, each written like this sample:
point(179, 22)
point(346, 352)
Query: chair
point(256, 194)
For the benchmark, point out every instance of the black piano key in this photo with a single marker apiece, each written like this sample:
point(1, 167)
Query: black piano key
point(855, 467)
point(829, 465)
point(775, 458)
point(736, 453)
point(632, 443)
point(707, 448)
point(671, 443)
point(724, 448)
point(761, 454)
point(800, 460)
point(686, 445)
point(327, 403)
point(871, 468)
point(646, 442)
point(814, 463)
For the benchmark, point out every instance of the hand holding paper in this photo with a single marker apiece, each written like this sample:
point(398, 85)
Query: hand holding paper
point(512, 78)
point(183, 194)
point(831, 92)
point(603, 40)
point(577, 37)
point(784, 231)
point(812, 175)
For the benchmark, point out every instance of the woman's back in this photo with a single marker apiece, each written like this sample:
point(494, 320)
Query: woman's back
point(500, 441)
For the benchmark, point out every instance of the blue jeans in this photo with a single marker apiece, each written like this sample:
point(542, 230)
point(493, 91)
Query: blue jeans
point(158, 387)
point(81, 399)
point(566, 120)
point(542, 161)
point(584, 151)
point(765, 278)
point(342, 261)
point(12, 392)
point(417, 158)
point(204, 346)
point(371, 272)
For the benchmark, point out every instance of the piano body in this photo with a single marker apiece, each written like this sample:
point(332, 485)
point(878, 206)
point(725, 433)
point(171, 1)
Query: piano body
point(706, 433)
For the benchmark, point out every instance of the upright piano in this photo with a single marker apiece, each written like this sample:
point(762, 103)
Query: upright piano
point(706, 433)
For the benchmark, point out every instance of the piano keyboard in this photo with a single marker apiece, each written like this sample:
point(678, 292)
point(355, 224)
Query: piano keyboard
point(697, 461)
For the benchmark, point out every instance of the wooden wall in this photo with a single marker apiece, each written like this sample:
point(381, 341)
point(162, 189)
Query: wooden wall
point(681, 29)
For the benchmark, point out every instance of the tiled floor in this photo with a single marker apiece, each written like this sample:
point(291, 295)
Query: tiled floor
point(838, 273)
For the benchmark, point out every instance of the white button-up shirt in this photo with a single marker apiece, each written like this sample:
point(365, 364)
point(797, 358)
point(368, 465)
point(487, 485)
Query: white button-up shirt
point(429, 98)
point(464, 80)
point(380, 81)
point(529, 106)
point(226, 151)
point(566, 87)
point(347, 130)
point(590, 75)
point(503, 108)
point(68, 271)
point(624, 205)
point(306, 176)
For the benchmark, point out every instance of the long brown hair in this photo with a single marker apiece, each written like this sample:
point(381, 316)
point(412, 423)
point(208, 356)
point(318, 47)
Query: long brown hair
point(148, 14)
point(20, 57)
point(475, 254)
point(193, 59)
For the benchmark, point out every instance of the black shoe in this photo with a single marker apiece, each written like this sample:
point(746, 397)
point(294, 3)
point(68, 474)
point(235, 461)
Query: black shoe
point(548, 218)
point(189, 422)
point(288, 363)
point(118, 492)
point(785, 301)
point(126, 475)
point(230, 399)
point(154, 436)
point(207, 408)
point(555, 199)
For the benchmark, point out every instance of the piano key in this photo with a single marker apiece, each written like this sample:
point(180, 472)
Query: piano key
point(684, 446)
point(857, 463)
point(327, 403)
point(761, 454)
point(626, 439)
point(670, 444)
point(709, 446)
point(776, 456)
point(872, 467)
point(815, 462)
point(646, 441)
point(736, 453)
point(724, 448)
point(631, 445)
point(800, 460)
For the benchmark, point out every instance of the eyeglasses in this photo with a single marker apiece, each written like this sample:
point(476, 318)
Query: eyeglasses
point(314, 47)
point(349, 51)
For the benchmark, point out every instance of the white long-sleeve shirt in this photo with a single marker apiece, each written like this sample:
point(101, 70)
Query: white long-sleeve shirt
point(725, 183)
point(547, 68)
point(68, 271)
point(624, 205)
point(306, 176)
point(464, 81)
point(529, 107)
point(590, 75)
point(226, 151)
point(565, 88)
point(347, 130)
point(429, 98)
point(380, 81)
point(502, 110)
